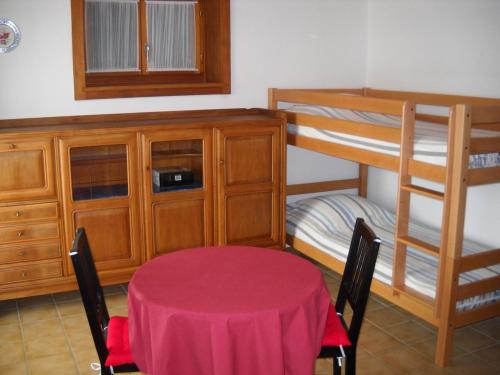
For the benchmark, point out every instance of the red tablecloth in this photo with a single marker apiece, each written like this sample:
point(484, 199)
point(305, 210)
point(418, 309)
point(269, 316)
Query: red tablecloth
point(227, 311)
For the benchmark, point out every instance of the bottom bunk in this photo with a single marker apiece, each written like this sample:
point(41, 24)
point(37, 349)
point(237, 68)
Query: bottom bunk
point(321, 227)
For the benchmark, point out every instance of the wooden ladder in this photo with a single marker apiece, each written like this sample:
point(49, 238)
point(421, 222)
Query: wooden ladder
point(403, 239)
point(453, 198)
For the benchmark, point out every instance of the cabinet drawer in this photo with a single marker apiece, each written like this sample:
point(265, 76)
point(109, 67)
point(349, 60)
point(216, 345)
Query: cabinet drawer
point(31, 272)
point(29, 252)
point(17, 233)
point(13, 214)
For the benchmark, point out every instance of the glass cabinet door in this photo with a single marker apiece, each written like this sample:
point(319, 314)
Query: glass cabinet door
point(98, 172)
point(177, 165)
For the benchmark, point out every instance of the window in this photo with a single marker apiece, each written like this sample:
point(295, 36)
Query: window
point(124, 48)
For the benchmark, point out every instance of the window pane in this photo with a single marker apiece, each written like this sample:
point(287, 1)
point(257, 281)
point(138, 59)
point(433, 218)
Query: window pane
point(111, 35)
point(171, 35)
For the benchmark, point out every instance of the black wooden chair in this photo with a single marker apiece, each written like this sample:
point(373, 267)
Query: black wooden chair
point(110, 335)
point(340, 340)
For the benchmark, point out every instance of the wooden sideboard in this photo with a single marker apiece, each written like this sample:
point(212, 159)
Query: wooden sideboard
point(107, 173)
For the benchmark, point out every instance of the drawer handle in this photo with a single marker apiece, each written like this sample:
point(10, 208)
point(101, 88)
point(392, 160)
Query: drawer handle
point(22, 253)
point(18, 213)
point(20, 233)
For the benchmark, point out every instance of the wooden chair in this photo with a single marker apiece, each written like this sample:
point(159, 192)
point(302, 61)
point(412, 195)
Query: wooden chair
point(110, 335)
point(340, 340)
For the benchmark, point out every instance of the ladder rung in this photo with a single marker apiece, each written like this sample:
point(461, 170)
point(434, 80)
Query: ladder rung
point(414, 294)
point(423, 191)
point(421, 245)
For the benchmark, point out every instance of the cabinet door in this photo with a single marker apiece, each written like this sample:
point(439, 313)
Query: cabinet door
point(249, 186)
point(27, 169)
point(100, 188)
point(177, 174)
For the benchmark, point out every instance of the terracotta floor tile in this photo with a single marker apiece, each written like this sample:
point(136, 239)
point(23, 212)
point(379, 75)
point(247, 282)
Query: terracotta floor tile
point(471, 340)
point(10, 332)
point(67, 296)
point(14, 368)
point(38, 300)
point(12, 352)
point(71, 307)
point(31, 313)
point(45, 346)
point(374, 340)
point(403, 359)
point(9, 317)
point(115, 300)
point(490, 355)
point(56, 364)
point(469, 365)
point(410, 332)
point(323, 366)
point(112, 289)
point(375, 365)
point(428, 348)
point(385, 317)
point(42, 328)
point(490, 327)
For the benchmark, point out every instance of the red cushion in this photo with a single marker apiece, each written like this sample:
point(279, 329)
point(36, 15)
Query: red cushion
point(335, 333)
point(117, 342)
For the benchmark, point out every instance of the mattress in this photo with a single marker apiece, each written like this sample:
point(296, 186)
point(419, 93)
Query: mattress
point(430, 140)
point(326, 222)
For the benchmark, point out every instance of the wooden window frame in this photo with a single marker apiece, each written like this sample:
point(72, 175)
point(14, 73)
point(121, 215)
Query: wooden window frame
point(213, 61)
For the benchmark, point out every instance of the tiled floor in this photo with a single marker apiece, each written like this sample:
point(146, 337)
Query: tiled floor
point(49, 335)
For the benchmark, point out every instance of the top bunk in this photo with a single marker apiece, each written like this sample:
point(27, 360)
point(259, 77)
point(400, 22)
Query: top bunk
point(376, 127)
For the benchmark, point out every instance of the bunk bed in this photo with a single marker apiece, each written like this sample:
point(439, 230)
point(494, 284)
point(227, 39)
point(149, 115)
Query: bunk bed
point(436, 275)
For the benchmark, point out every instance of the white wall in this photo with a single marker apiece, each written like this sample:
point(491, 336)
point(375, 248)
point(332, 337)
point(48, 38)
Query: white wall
point(274, 43)
point(444, 46)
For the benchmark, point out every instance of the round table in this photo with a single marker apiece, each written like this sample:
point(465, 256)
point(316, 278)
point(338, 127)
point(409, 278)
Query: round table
point(227, 310)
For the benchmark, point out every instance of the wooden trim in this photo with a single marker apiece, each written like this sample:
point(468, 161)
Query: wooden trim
point(360, 129)
point(402, 300)
point(484, 145)
point(432, 99)
point(438, 120)
point(461, 126)
point(345, 152)
point(331, 99)
point(484, 114)
point(479, 260)
point(316, 187)
point(432, 172)
point(403, 198)
point(478, 287)
point(467, 317)
point(363, 180)
point(483, 176)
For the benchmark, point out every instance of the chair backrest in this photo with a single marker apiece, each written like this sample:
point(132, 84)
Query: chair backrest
point(358, 275)
point(91, 292)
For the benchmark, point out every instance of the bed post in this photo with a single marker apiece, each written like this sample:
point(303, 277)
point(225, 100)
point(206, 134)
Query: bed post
point(271, 99)
point(363, 180)
point(454, 207)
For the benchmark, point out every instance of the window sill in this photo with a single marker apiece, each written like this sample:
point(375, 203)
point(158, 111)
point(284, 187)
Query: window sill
point(129, 91)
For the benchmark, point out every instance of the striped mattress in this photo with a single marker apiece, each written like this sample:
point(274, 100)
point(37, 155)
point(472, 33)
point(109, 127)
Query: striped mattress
point(326, 222)
point(430, 141)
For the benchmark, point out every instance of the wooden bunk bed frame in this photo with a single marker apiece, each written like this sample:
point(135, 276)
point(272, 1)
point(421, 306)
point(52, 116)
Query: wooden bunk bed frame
point(465, 113)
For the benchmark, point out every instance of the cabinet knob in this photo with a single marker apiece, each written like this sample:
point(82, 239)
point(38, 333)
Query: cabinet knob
point(20, 233)
point(22, 253)
point(18, 213)
point(12, 146)
point(24, 274)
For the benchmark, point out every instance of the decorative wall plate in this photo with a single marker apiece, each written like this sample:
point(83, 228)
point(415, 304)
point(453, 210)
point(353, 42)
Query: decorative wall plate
point(10, 35)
